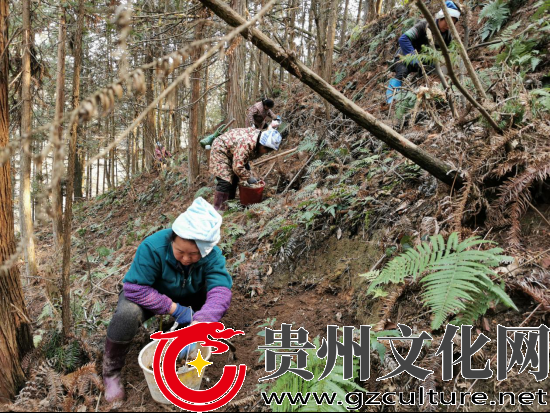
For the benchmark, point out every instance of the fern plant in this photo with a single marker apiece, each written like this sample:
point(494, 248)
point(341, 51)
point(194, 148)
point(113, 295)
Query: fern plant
point(309, 144)
point(333, 383)
point(496, 13)
point(541, 101)
point(455, 276)
point(203, 192)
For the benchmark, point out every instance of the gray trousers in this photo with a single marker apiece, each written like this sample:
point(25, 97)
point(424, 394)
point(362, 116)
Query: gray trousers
point(129, 317)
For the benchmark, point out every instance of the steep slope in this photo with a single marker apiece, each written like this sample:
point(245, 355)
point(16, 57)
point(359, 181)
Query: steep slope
point(339, 206)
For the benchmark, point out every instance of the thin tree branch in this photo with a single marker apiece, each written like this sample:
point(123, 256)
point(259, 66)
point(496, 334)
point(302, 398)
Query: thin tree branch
point(452, 75)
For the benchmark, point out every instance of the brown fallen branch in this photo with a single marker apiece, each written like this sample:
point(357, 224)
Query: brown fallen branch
point(290, 63)
point(261, 161)
point(270, 169)
point(538, 295)
point(452, 75)
point(388, 303)
point(298, 174)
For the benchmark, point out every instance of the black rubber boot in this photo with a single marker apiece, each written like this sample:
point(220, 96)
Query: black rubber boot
point(113, 362)
point(220, 199)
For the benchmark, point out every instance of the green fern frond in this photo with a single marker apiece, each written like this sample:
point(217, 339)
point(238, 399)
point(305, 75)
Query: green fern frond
point(234, 230)
point(203, 192)
point(261, 206)
point(496, 13)
point(333, 383)
point(271, 226)
point(453, 274)
point(309, 144)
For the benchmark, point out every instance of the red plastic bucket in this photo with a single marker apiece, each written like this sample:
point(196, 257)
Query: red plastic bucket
point(249, 195)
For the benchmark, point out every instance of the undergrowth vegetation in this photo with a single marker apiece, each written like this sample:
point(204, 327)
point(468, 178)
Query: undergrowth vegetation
point(455, 277)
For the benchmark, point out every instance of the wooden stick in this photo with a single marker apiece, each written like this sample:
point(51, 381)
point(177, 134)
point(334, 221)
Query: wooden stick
point(297, 174)
point(270, 169)
point(452, 75)
point(538, 212)
point(261, 161)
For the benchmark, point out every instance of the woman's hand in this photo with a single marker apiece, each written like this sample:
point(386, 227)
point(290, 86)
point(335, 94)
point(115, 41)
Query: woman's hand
point(183, 315)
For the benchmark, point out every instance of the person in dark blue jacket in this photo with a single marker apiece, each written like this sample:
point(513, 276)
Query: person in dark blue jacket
point(412, 41)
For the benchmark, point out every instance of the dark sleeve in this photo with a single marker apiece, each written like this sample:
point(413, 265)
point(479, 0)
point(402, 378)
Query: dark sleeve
point(252, 110)
point(416, 33)
point(406, 45)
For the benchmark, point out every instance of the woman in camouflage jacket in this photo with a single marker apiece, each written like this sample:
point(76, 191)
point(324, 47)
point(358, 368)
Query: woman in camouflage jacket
point(230, 157)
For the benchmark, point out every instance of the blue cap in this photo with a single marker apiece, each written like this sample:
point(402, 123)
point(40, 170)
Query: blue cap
point(451, 5)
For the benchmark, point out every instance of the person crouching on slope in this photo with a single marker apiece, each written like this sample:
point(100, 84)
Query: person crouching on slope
point(230, 155)
point(411, 42)
point(178, 271)
point(258, 112)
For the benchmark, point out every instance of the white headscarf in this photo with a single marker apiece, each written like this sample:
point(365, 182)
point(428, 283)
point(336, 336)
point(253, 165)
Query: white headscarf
point(451, 8)
point(200, 223)
point(271, 138)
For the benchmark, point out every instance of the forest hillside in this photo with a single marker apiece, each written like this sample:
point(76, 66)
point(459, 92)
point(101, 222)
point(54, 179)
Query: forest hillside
point(429, 209)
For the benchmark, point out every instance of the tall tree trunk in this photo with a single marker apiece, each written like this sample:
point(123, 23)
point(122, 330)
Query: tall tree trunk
point(359, 12)
point(256, 74)
point(371, 10)
point(310, 42)
point(80, 143)
point(367, 10)
point(236, 106)
point(149, 130)
point(331, 36)
point(193, 137)
point(380, 130)
point(68, 218)
point(58, 164)
point(107, 160)
point(176, 120)
point(378, 7)
point(344, 25)
point(15, 331)
point(25, 172)
point(320, 16)
point(203, 104)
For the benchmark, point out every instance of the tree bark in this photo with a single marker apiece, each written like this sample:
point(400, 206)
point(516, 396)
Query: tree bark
point(236, 107)
point(193, 137)
point(344, 25)
point(25, 172)
point(371, 10)
point(15, 331)
point(256, 74)
point(77, 53)
point(58, 165)
point(393, 139)
point(68, 218)
point(149, 130)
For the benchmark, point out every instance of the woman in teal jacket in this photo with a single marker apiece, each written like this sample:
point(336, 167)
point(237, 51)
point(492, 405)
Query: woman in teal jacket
point(176, 271)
